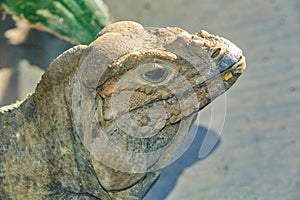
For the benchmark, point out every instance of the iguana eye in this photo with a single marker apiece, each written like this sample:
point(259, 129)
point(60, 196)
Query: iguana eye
point(156, 73)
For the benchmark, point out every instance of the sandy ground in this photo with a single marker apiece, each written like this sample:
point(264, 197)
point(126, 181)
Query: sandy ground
point(258, 155)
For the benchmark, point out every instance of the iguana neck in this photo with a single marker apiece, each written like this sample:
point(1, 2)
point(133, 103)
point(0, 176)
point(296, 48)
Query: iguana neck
point(59, 101)
point(54, 162)
point(51, 161)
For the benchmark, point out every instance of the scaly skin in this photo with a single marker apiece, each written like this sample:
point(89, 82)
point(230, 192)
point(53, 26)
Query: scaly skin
point(53, 143)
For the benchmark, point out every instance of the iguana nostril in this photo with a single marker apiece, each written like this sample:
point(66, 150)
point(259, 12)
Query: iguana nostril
point(216, 53)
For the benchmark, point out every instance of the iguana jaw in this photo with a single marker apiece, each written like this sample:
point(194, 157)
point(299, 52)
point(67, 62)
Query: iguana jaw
point(205, 91)
point(212, 88)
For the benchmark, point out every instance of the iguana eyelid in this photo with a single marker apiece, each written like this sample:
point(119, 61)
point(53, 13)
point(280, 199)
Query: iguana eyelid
point(156, 74)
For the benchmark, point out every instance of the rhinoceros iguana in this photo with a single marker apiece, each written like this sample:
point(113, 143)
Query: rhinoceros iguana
point(105, 119)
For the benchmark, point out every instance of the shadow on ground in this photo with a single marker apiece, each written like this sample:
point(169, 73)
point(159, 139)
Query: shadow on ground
point(168, 179)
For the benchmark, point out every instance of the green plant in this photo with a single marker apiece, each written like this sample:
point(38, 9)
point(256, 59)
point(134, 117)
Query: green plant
point(77, 21)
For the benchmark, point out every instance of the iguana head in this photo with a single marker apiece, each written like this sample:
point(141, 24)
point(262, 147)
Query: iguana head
point(137, 91)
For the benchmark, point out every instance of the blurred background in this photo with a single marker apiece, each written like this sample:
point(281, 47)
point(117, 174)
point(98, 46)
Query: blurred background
point(258, 155)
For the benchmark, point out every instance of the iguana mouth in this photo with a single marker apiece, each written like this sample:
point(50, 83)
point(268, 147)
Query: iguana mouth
point(236, 69)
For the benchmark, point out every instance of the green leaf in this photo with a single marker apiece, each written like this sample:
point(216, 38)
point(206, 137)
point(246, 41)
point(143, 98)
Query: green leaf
point(77, 21)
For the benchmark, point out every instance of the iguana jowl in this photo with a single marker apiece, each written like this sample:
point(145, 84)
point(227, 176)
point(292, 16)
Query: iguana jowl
point(106, 118)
